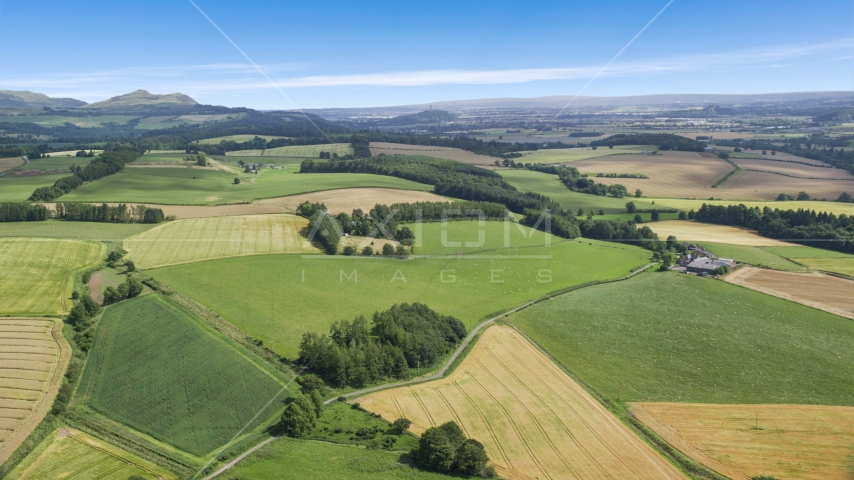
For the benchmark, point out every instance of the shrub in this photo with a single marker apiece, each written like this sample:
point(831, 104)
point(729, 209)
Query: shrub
point(402, 424)
point(445, 448)
point(130, 266)
point(349, 250)
point(367, 251)
point(388, 250)
point(300, 417)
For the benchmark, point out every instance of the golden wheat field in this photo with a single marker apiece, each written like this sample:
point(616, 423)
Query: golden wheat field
point(348, 199)
point(33, 358)
point(197, 239)
point(795, 169)
point(534, 420)
point(763, 185)
point(817, 290)
point(36, 273)
point(707, 232)
point(807, 442)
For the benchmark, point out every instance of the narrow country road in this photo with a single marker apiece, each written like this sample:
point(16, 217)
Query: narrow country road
point(435, 376)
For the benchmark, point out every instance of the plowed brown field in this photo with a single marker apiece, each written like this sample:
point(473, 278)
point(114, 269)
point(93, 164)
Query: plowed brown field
point(817, 290)
point(534, 420)
point(33, 358)
point(743, 441)
point(347, 199)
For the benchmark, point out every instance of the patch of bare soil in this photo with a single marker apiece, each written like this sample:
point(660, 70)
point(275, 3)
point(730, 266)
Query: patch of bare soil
point(817, 290)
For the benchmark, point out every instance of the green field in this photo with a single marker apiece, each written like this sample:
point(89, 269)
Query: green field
point(164, 158)
point(18, 189)
point(73, 230)
point(293, 294)
point(843, 265)
point(303, 151)
point(668, 337)
point(287, 458)
point(192, 186)
point(36, 273)
point(161, 371)
point(564, 155)
point(340, 421)
point(197, 239)
point(756, 256)
point(68, 453)
point(818, 206)
point(529, 181)
point(235, 138)
point(61, 164)
point(806, 252)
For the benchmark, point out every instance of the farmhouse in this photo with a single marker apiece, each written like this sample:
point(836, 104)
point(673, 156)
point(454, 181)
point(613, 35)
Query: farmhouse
point(708, 265)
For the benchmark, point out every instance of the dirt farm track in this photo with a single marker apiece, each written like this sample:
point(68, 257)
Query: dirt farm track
point(534, 420)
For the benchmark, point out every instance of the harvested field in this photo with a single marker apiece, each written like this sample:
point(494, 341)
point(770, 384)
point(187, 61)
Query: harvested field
point(33, 359)
point(843, 265)
point(785, 156)
point(69, 453)
point(792, 169)
point(194, 240)
point(566, 155)
point(830, 207)
point(534, 420)
point(36, 273)
point(431, 151)
point(673, 174)
point(347, 199)
point(304, 151)
point(743, 441)
point(824, 292)
point(235, 138)
point(762, 185)
point(10, 163)
point(708, 232)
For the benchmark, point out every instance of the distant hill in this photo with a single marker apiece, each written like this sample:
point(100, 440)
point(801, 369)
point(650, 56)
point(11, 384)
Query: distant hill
point(142, 98)
point(26, 99)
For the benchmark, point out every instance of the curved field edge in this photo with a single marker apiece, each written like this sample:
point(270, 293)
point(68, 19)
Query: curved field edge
point(84, 447)
point(573, 421)
point(45, 401)
point(81, 415)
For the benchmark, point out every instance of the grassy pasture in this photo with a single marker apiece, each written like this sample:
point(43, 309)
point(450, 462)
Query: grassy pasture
point(33, 358)
point(35, 273)
point(163, 158)
point(744, 441)
point(197, 239)
point(531, 417)
point(666, 337)
point(566, 155)
point(295, 294)
point(709, 232)
point(235, 138)
point(528, 181)
point(159, 370)
point(432, 151)
point(806, 252)
point(302, 151)
point(18, 189)
point(191, 186)
point(819, 206)
point(73, 230)
point(102, 279)
point(825, 292)
point(756, 256)
point(348, 199)
point(68, 453)
point(311, 460)
point(61, 164)
point(843, 265)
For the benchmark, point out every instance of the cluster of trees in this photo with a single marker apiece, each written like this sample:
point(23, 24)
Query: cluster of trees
point(84, 153)
point(121, 213)
point(491, 148)
point(621, 175)
point(446, 449)
point(80, 319)
point(23, 212)
point(407, 336)
point(577, 183)
point(301, 414)
point(326, 230)
point(108, 163)
point(623, 232)
point(131, 288)
point(664, 141)
point(585, 134)
point(823, 230)
point(328, 155)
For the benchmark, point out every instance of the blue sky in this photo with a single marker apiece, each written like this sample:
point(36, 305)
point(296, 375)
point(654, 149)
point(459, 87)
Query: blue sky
point(358, 54)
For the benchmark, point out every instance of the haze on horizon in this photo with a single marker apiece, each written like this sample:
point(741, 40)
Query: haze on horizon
point(336, 54)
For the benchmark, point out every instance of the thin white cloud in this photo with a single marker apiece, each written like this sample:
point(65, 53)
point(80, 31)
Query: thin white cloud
point(240, 77)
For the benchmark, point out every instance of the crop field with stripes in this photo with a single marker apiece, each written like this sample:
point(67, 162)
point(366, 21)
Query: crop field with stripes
point(32, 362)
point(304, 151)
point(68, 453)
point(198, 239)
point(36, 273)
point(534, 420)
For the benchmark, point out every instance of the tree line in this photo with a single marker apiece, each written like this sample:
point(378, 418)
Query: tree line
point(23, 212)
point(823, 230)
point(404, 337)
point(80, 212)
point(664, 141)
point(108, 163)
